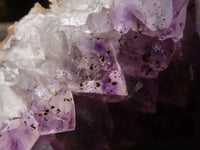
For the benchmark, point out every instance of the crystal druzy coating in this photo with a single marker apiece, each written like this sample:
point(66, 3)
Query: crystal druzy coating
point(80, 48)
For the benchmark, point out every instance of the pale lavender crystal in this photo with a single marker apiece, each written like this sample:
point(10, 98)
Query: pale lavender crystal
point(19, 133)
point(161, 18)
point(50, 110)
point(52, 106)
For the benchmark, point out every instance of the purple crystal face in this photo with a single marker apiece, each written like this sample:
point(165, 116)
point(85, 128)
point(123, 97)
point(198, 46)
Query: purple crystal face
point(96, 67)
point(20, 133)
point(52, 106)
point(143, 56)
point(162, 18)
point(110, 50)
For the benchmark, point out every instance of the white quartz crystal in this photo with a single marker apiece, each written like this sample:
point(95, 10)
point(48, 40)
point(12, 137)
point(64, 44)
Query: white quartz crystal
point(10, 105)
point(75, 12)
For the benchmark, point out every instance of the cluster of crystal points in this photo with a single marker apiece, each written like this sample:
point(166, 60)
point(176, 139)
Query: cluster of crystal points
point(80, 48)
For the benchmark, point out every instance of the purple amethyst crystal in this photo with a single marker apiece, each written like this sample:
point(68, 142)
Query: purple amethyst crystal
point(109, 50)
point(97, 70)
point(143, 56)
point(19, 134)
point(52, 106)
point(162, 18)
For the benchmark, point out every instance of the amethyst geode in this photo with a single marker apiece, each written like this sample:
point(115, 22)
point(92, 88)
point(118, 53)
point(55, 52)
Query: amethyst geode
point(82, 48)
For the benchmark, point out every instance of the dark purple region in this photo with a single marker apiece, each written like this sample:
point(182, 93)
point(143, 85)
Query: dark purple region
point(100, 47)
point(143, 56)
point(15, 144)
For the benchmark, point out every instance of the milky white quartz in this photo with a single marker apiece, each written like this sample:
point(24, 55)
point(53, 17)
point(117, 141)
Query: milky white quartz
point(75, 12)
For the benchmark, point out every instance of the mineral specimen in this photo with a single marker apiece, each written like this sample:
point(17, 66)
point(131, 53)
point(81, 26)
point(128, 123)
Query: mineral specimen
point(81, 47)
point(161, 18)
